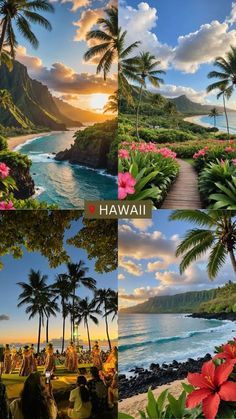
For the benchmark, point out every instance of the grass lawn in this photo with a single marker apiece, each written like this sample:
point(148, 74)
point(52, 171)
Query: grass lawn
point(14, 383)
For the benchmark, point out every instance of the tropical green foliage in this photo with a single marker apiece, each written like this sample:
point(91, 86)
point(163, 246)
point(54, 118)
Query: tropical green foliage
point(187, 302)
point(153, 174)
point(217, 184)
point(224, 300)
point(216, 234)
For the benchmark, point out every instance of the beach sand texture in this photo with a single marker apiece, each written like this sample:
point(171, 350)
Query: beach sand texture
point(132, 405)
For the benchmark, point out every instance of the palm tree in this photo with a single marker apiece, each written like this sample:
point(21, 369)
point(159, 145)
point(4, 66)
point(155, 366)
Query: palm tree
point(63, 289)
point(50, 309)
point(107, 37)
point(218, 237)
point(127, 66)
point(112, 104)
point(22, 13)
point(34, 294)
point(226, 78)
point(103, 297)
point(5, 99)
point(5, 58)
point(87, 310)
point(147, 71)
point(214, 114)
point(112, 305)
point(77, 276)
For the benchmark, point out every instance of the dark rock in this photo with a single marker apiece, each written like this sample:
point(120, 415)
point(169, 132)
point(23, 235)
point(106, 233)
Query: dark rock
point(154, 366)
point(217, 316)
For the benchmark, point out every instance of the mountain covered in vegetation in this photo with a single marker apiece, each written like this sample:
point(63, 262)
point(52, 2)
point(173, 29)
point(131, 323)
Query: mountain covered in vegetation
point(157, 104)
point(32, 100)
point(187, 302)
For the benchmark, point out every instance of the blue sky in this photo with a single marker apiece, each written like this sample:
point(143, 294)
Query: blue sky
point(58, 62)
point(148, 265)
point(18, 328)
point(186, 36)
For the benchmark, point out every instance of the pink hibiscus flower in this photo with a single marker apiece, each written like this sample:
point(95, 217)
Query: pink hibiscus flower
point(126, 184)
point(4, 170)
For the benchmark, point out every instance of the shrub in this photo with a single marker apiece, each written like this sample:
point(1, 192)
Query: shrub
point(152, 169)
point(161, 136)
point(217, 184)
point(3, 143)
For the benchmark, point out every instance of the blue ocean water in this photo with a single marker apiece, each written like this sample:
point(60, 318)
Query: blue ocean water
point(158, 338)
point(220, 122)
point(62, 183)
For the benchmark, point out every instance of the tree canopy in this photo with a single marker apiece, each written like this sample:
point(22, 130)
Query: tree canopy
point(44, 231)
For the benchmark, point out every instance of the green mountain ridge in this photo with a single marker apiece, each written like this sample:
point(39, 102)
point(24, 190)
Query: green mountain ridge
point(32, 99)
point(187, 302)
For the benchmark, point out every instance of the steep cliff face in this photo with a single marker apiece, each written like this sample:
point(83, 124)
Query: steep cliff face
point(92, 147)
point(33, 99)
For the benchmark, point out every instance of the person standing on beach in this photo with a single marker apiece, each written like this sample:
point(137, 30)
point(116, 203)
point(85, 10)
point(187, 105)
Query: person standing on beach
point(96, 356)
point(50, 359)
point(26, 366)
point(72, 363)
point(7, 360)
point(33, 360)
point(14, 358)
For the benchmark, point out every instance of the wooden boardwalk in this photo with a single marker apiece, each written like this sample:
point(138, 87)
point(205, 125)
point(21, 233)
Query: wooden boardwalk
point(184, 192)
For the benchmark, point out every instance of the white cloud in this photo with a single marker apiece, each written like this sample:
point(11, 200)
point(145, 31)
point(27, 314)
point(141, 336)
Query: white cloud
point(87, 20)
point(191, 50)
point(131, 267)
point(203, 46)
point(172, 91)
point(142, 224)
point(121, 277)
point(77, 4)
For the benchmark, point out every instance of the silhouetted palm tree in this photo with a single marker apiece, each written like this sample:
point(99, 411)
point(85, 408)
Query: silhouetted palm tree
point(34, 294)
point(76, 274)
point(85, 311)
point(218, 237)
point(22, 13)
point(50, 309)
point(226, 78)
point(214, 114)
point(112, 104)
point(63, 288)
point(102, 296)
point(107, 36)
point(112, 305)
point(147, 70)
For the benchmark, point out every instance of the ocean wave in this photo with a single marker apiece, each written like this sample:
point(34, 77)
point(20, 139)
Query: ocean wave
point(42, 158)
point(167, 339)
point(38, 191)
point(31, 140)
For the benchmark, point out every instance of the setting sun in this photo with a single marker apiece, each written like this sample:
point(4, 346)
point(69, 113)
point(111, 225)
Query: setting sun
point(98, 101)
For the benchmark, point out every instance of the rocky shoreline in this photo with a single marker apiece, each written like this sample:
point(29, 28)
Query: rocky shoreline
point(214, 316)
point(157, 375)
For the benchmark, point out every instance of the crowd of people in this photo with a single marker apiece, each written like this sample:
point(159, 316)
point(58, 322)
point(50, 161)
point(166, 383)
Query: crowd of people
point(95, 391)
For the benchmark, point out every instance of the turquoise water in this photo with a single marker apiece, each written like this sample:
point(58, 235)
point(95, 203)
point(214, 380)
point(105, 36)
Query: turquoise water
point(60, 182)
point(220, 122)
point(158, 338)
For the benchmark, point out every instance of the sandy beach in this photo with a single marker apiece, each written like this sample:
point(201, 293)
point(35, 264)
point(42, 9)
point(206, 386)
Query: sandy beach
point(196, 120)
point(14, 142)
point(132, 405)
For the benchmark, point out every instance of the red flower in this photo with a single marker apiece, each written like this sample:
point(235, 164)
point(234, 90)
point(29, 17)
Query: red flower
point(126, 184)
point(213, 387)
point(228, 352)
point(4, 170)
point(6, 206)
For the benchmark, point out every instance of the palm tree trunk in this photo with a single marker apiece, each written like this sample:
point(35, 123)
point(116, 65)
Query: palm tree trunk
point(3, 34)
point(47, 326)
point(63, 333)
point(214, 121)
point(107, 331)
point(73, 317)
point(226, 116)
point(89, 342)
point(137, 111)
point(233, 259)
point(39, 334)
